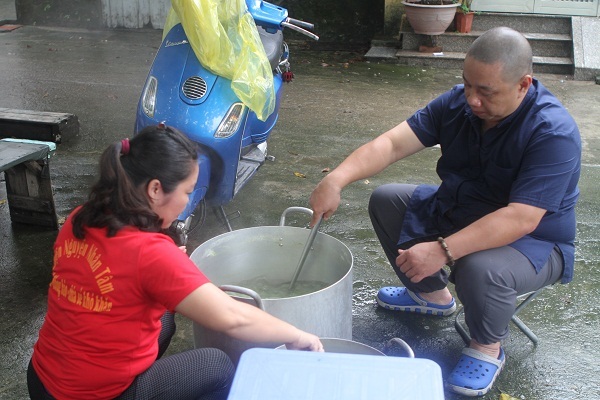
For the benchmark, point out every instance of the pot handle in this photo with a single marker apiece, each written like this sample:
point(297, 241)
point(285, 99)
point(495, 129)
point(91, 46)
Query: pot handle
point(292, 209)
point(402, 344)
point(245, 291)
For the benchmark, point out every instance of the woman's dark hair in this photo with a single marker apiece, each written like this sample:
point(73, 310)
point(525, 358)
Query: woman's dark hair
point(119, 196)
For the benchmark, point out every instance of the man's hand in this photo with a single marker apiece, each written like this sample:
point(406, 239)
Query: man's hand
point(324, 200)
point(421, 260)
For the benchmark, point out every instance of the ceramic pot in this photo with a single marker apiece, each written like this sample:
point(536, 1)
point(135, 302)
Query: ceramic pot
point(430, 20)
point(463, 21)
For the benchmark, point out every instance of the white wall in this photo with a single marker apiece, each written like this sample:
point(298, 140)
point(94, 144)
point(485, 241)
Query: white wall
point(135, 13)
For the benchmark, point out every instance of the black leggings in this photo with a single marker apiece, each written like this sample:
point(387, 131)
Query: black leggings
point(200, 374)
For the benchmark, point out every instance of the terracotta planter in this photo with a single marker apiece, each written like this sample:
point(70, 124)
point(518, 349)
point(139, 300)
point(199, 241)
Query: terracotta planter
point(430, 19)
point(463, 21)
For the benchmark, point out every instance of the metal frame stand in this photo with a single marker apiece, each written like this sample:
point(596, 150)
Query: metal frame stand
point(527, 297)
point(225, 217)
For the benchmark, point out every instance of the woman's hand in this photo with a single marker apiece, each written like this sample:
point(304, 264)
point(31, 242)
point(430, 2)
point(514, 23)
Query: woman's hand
point(306, 341)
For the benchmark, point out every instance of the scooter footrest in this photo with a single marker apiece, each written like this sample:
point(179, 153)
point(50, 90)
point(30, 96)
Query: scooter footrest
point(254, 155)
point(245, 171)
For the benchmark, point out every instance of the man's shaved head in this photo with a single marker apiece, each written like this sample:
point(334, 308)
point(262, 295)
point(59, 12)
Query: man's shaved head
point(507, 47)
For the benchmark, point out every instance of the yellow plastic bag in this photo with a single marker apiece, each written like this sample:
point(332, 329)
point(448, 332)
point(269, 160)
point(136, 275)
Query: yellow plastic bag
point(224, 38)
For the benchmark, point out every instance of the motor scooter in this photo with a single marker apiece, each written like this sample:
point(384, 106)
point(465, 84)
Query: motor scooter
point(182, 93)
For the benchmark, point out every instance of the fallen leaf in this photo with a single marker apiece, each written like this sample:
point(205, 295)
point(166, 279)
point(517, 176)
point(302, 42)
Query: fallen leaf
point(356, 59)
point(504, 396)
point(299, 175)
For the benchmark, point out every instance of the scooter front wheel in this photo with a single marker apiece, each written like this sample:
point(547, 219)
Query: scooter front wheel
point(198, 216)
point(180, 230)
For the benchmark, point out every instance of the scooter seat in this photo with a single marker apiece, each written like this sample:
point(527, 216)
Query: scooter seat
point(273, 44)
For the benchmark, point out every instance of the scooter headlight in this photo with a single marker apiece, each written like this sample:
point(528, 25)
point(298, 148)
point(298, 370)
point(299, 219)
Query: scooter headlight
point(231, 122)
point(149, 97)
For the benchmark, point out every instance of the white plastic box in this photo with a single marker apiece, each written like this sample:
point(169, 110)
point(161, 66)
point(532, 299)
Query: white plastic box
point(269, 374)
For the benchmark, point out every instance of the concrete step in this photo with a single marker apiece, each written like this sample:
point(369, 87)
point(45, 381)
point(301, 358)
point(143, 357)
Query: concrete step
point(549, 35)
point(542, 44)
point(454, 60)
point(541, 23)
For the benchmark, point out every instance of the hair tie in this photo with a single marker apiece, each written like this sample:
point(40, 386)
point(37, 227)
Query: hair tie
point(125, 147)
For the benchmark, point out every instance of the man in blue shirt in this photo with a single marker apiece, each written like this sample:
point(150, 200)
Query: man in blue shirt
point(503, 217)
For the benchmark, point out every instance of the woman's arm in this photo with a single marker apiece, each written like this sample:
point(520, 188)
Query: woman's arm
point(210, 307)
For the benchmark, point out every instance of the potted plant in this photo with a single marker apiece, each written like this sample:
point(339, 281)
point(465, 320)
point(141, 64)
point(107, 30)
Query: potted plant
point(463, 20)
point(430, 17)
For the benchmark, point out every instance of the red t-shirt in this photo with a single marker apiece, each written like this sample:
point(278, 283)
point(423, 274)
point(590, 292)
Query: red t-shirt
point(105, 302)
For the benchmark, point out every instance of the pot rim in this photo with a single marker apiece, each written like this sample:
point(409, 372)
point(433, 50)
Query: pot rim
point(210, 243)
point(325, 340)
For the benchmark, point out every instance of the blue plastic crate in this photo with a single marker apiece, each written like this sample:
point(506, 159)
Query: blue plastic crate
point(268, 374)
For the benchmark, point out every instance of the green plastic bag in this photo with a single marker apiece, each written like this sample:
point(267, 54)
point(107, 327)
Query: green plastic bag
point(225, 39)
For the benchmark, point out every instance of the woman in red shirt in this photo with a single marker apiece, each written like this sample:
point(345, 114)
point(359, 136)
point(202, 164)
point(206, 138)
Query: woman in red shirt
point(116, 274)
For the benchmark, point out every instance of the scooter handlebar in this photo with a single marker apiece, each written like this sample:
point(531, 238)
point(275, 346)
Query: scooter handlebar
point(265, 14)
point(296, 28)
point(272, 17)
point(299, 23)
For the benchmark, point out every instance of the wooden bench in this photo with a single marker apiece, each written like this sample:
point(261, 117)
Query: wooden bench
point(38, 125)
point(26, 168)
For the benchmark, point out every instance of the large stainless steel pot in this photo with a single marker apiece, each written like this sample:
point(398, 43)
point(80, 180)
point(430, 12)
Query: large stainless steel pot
point(271, 254)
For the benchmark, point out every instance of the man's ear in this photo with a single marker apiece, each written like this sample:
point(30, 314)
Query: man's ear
point(154, 189)
point(525, 83)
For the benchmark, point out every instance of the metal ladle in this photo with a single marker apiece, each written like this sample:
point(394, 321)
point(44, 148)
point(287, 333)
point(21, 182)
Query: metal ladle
point(307, 246)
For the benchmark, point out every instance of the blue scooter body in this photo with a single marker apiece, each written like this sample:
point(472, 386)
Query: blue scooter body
point(199, 119)
point(196, 102)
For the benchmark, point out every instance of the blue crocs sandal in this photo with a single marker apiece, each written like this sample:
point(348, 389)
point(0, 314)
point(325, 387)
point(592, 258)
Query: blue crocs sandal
point(401, 299)
point(475, 372)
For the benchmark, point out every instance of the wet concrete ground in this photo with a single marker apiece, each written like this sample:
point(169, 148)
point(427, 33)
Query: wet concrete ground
point(335, 103)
